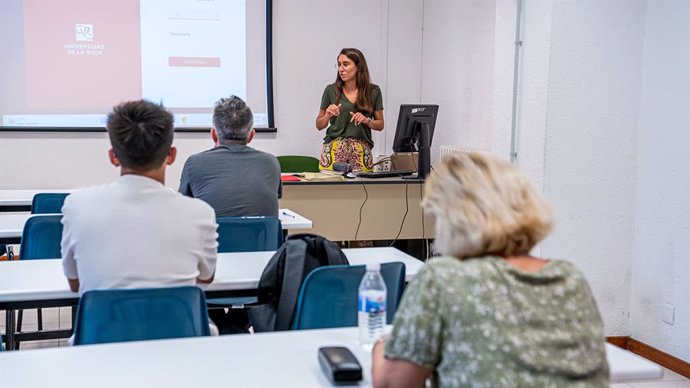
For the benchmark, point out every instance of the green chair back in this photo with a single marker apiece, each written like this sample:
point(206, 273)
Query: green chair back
point(298, 163)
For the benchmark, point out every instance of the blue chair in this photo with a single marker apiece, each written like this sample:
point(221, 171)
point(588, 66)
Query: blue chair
point(249, 234)
point(41, 239)
point(47, 203)
point(140, 314)
point(328, 297)
point(246, 234)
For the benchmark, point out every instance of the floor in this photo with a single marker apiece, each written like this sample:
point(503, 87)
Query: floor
point(671, 380)
point(60, 318)
point(53, 318)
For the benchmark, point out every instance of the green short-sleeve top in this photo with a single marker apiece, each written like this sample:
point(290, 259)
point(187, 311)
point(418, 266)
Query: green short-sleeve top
point(340, 126)
point(481, 322)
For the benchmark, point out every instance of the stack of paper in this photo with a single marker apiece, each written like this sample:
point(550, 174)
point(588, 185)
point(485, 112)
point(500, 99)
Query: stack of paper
point(322, 176)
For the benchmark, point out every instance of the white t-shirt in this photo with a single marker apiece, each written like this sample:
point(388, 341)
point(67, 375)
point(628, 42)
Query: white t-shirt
point(136, 233)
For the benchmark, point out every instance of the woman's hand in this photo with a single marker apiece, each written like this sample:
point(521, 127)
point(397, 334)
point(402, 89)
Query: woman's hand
point(325, 115)
point(333, 110)
point(359, 118)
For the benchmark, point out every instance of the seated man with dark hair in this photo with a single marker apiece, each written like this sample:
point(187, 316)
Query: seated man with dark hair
point(235, 179)
point(135, 232)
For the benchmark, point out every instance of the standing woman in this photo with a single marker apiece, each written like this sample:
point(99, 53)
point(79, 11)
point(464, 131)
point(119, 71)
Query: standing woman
point(350, 107)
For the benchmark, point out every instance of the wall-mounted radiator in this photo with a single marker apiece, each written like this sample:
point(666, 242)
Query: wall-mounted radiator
point(452, 149)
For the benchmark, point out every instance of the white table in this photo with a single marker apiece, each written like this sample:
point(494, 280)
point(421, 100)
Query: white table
point(12, 225)
point(41, 283)
point(628, 366)
point(43, 280)
point(283, 359)
point(291, 220)
point(20, 200)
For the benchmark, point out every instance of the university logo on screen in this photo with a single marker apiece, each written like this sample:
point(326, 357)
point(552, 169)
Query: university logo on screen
point(84, 33)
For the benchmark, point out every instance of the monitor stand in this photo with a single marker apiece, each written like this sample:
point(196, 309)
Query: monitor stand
point(423, 147)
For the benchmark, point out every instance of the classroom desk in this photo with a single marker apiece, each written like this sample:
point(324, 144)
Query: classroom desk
point(28, 284)
point(281, 359)
point(11, 225)
point(334, 208)
point(20, 200)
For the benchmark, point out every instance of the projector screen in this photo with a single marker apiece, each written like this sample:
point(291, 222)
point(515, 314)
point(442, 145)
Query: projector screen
point(66, 63)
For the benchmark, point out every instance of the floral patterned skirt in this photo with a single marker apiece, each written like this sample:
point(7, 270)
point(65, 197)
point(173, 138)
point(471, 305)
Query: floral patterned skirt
point(354, 152)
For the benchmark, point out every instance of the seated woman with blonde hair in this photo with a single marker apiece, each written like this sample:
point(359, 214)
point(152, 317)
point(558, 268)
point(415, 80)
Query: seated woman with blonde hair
point(487, 313)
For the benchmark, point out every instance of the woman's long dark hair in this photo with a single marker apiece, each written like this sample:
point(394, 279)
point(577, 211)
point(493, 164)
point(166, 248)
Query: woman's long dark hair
point(363, 103)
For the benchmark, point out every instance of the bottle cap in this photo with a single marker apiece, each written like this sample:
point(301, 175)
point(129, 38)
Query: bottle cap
point(373, 266)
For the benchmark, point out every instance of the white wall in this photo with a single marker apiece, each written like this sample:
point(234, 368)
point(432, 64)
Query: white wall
point(579, 93)
point(53, 160)
point(661, 254)
point(591, 143)
point(457, 70)
point(533, 80)
point(616, 152)
point(404, 62)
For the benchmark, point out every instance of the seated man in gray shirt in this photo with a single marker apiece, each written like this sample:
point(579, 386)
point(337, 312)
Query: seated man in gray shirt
point(235, 179)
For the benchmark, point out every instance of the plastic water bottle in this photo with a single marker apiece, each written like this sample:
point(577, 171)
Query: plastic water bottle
point(372, 306)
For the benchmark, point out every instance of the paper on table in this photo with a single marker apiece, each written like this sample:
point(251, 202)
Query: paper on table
point(320, 176)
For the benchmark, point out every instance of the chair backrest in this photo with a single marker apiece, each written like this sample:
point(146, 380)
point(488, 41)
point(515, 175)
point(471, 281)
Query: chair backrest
point(46, 203)
point(249, 234)
point(298, 163)
point(140, 314)
point(328, 297)
point(41, 238)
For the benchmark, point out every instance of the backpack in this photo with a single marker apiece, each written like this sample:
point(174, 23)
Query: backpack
point(282, 278)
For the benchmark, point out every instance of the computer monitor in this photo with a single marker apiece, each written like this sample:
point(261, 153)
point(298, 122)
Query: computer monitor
point(414, 132)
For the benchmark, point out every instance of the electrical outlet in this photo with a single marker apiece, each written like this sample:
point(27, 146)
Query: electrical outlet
point(668, 313)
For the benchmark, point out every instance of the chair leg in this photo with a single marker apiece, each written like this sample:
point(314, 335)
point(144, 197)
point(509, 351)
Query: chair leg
point(10, 329)
point(20, 318)
point(74, 317)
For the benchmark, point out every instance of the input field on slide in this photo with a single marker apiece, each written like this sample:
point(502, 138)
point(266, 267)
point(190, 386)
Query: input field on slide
point(194, 61)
